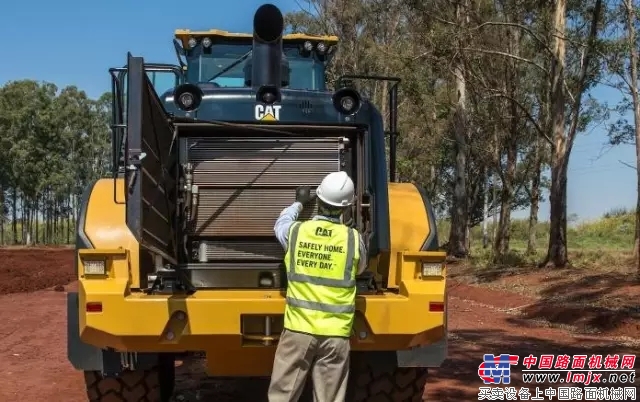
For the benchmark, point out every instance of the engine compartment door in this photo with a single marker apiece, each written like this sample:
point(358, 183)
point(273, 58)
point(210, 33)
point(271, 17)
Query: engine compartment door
point(150, 166)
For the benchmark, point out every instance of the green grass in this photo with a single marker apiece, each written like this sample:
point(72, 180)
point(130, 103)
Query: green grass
point(604, 241)
point(58, 238)
point(611, 232)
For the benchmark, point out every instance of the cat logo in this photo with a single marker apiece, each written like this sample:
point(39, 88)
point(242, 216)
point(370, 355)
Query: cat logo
point(267, 112)
point(323, 232)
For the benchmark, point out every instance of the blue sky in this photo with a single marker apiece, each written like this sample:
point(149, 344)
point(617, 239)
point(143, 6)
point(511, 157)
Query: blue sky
point(75, 42)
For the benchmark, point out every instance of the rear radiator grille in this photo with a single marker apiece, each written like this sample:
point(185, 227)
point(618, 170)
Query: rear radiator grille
point(244, 183)
point(244, 250)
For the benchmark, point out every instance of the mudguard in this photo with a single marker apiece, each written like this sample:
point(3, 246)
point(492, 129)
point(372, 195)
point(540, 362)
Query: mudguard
point(423, 356)
point(86, 357)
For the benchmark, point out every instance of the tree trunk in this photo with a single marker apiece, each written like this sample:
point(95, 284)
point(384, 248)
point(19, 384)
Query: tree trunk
point(633, 84)
point(557, 252)
point(36, 220)
point(501, 245)
point(539, 151)
point(46, 216)
point(14, 214)
point(67, 217)
point(485, 213)
point(26, 222)
point(459, 214)
point(56, 217)
point(535, 199)
point(457, 237)
point(74, 213)
point(494, 184)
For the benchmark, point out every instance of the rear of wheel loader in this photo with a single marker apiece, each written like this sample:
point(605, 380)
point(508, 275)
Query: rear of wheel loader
point(176, 252)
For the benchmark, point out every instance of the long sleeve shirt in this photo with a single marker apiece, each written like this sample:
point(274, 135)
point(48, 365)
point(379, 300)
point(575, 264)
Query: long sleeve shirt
point(289, 216)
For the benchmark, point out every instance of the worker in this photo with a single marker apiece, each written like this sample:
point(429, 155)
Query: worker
point(321, 255)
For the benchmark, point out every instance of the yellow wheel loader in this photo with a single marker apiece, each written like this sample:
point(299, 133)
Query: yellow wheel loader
point(176, 252)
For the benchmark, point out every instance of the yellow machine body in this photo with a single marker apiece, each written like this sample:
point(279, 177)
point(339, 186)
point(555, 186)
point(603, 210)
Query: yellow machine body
point(229, 325)
point(217, 35)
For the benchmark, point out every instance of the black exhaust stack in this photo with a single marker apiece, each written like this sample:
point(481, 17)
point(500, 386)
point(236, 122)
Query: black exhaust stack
point(268, 68)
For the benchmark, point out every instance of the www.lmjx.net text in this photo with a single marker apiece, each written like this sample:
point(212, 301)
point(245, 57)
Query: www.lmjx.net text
point(585, 377)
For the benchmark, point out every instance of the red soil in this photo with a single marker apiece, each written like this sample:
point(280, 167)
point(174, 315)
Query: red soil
point(482, 320)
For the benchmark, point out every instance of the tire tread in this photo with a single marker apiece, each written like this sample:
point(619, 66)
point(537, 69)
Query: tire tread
point(403, 384)
point(129, 386)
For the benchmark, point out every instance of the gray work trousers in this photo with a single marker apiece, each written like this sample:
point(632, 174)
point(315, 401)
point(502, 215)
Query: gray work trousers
point(297, 353)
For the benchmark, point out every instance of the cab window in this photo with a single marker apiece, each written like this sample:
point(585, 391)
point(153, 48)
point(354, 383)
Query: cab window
point(162, 81)
point(205, 65)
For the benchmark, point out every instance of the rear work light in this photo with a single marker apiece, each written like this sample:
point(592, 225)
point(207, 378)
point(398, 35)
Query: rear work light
point(95, 267)
point(187, 97)
point(268, 94)
point(432, 269)
point(97, 262)
point(347, 101)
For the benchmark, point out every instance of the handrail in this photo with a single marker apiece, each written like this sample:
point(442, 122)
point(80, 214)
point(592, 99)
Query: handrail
point(118, 118)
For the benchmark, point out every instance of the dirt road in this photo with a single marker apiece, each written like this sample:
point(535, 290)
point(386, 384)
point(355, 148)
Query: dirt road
point(33, 338)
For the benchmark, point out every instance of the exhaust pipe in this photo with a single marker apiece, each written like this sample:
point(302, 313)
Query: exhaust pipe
point(266, 60)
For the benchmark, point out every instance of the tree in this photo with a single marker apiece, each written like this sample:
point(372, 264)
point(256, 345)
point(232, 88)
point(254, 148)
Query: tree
point(56, 142)
point(493, 93)
point(621, 60)
point(453, 104)
point(563, 137)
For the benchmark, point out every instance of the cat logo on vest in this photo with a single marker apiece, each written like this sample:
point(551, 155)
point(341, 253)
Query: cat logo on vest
point(323, 232)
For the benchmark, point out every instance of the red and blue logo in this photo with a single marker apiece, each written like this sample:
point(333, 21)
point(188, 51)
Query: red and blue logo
point(497, 369)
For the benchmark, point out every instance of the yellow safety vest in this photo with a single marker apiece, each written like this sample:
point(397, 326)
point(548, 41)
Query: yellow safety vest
point(322, 259)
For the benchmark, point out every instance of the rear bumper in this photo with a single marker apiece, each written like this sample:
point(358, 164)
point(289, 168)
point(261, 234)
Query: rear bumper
point(214, 322)
point(140, 321)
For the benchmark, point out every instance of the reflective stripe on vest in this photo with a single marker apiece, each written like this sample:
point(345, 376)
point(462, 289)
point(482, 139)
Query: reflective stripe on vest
point(320, 269)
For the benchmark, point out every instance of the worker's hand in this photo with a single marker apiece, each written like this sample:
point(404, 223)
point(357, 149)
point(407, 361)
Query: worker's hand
point(303, 195)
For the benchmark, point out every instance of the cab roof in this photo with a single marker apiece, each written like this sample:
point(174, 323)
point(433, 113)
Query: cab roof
point(183, 36)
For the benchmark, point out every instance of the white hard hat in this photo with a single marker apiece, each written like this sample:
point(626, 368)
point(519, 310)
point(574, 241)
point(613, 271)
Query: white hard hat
point(336, 189)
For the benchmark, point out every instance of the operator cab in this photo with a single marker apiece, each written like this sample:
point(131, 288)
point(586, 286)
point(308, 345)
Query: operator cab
point(224, 58)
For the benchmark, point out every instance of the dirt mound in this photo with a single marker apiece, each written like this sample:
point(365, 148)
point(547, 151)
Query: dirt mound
point(29, 269)
point(622, 320)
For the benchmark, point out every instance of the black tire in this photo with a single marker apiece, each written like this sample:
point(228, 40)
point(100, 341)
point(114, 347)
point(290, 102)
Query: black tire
point(167, 375)
point(155, 385)
point(401, 384)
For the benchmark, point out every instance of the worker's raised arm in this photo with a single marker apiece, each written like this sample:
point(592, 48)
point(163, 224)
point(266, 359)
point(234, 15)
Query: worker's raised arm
point(283, 224)
point(290, 214)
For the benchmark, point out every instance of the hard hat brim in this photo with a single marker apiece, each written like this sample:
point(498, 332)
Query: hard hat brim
point(333, 204)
